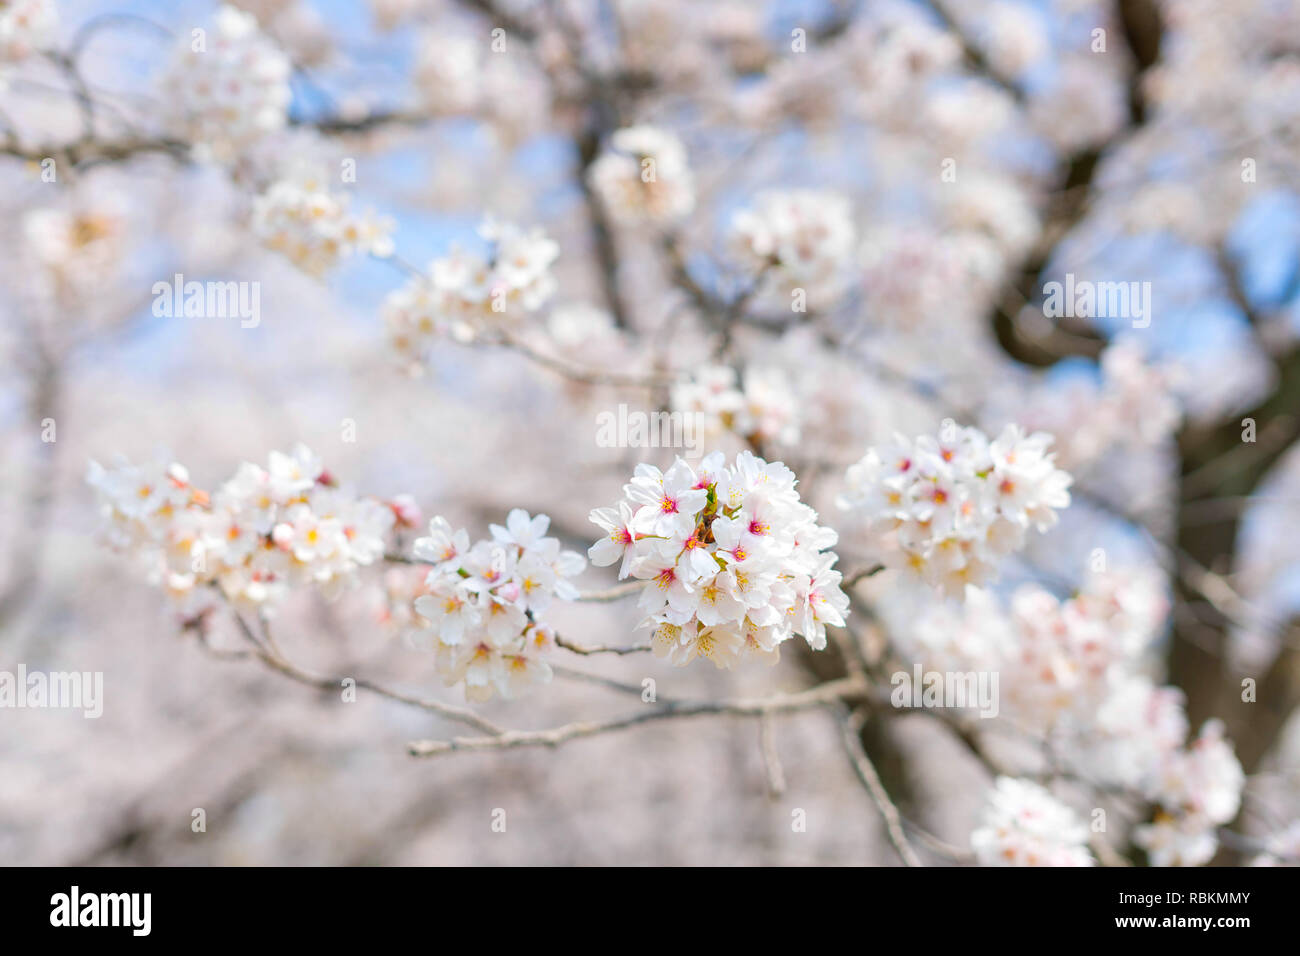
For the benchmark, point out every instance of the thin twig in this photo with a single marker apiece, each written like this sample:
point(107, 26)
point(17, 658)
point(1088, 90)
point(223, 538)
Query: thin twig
point(584, 375)
point(771, 758)
point(850, 726)
point(854, 577)
point(936, 845)
point(586, 649)
point(267, 655)
point(822, 695)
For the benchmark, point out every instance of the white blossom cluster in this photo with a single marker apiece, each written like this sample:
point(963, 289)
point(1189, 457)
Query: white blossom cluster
point(1197, 789)
point(761, 409)
point(1222, 75)
point(468, 294)
point(574, 326)
point(1058, 661)
point(909, 272)
point(1024, 825)
point(1071, 672)
point(1133, 730)
point(482, 604)
point(947, 509)
point(447, 72)
point(228, 86)
point(643, 177)
point(297, 26)
point(1132, 406)
point(1082, 108)
point(81, 242)
point(994, 208)
point(906, 52)
point(966, 113)
point(734, 562)
point(654, 42)
point(457, 74)
point(1014, 37)
point(1068, 652)
point(1138, 398)
point(26, 26)
point(797, 239)
point(263, 531)
point(301, 217)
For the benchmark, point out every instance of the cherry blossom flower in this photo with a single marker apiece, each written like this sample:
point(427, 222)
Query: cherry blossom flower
point(618, 544)
point(763, 409)
point(263, 531)
point(1132, 405)
point(1071, 674)
point(733, 561)
point(466, 295)
point(1135, 729)
point(1197, 789)
point(1014, 36)
point(228, 87)
point(1024, 825)
point(801, 239)
point(643, 177)
point(303, 218)
point(1176, 840)
point(908, 51)
point(481, 604)
point(26, 26)
point(456, 74)
point(948, 510)
point(1068, 667)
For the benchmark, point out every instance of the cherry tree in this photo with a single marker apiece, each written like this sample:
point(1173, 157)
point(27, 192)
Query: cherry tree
point(950, 351)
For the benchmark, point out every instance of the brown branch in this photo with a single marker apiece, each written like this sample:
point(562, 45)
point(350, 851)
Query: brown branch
point(1140, 21)
point(857, 577)
point(89, 150)
point(851, 729)
point(771, 758)
point(1214, 461)
point(973, 55)
point(264, 651)
point(587, 376)
point(29, 540)
point(1076, 177)
point(823, 695)
point(587, 649)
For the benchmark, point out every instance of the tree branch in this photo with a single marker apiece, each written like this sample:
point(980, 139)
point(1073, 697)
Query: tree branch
point(265, 652)
point(851, 729)
point(820, 696)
